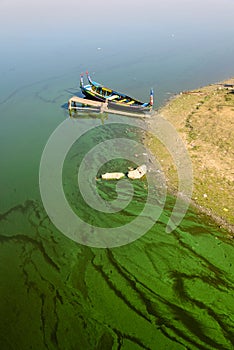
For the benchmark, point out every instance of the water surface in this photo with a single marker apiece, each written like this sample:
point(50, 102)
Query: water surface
point(162, 291)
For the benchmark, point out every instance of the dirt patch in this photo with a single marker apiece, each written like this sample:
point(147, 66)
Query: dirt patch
point(204, 119)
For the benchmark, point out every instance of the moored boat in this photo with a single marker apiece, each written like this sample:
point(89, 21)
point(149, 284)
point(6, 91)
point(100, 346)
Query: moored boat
point(115, 99)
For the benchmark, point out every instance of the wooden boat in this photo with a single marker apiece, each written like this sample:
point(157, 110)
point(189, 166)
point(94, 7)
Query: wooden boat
point(115, 99)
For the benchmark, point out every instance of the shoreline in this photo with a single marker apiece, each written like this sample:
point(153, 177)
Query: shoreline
point(218, 220)
point(203, 118)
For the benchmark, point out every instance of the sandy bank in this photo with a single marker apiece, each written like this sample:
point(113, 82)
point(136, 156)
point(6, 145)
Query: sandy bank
point(204, 118)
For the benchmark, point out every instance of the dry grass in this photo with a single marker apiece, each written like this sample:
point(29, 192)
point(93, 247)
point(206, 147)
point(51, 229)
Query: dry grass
point(204, 119)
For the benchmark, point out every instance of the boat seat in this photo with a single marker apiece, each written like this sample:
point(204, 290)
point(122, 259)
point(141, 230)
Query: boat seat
point(112, 97)
point(130, 103)
point(123, 100)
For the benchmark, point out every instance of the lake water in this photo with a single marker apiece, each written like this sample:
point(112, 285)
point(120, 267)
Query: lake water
point(162, 291)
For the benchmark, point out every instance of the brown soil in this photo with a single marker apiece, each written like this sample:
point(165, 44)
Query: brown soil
point(204, 118)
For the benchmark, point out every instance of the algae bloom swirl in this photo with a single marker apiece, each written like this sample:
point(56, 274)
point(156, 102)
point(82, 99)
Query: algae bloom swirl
point(74, 226)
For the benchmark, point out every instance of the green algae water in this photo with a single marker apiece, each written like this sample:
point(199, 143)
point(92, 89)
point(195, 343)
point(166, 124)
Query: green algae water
point(162, 291)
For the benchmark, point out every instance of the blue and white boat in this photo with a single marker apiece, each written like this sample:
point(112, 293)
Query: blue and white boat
point(116, 100)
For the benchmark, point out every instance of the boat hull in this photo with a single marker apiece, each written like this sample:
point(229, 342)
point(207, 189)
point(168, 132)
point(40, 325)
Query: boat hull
point(126, 108)
point(115, 100)
point(92, 96)
point(118, 106)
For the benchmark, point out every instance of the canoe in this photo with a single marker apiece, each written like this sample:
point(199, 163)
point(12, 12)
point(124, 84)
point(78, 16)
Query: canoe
point(115, 99)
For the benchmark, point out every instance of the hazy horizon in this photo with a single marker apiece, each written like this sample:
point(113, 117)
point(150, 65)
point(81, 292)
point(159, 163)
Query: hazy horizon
point(44, 14)
point(177, 44)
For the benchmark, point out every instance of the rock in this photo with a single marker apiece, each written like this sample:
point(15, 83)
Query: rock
point(138, 172)
point(113, 176)
point(132, 174)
